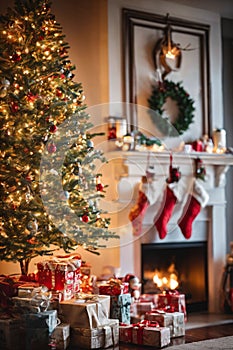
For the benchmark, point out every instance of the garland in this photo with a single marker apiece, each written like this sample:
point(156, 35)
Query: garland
point(185, 106)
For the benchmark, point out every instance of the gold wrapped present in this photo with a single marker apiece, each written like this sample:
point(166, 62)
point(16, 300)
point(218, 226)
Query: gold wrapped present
point(152, 336)
point(88, 311)
point(95, 338)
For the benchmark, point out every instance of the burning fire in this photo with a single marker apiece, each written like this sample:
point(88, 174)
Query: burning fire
point(169, 280)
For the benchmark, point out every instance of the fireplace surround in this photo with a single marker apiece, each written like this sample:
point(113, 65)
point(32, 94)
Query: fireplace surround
point(124, 172)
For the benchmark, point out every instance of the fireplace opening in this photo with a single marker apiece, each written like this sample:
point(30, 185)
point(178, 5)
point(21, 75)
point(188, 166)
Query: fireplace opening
point(177, 266)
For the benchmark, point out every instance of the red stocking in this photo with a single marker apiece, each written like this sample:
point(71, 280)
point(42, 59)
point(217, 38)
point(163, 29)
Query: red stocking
point(164, 217)
point(198, 200)
point(172, 194)
point(137, 213)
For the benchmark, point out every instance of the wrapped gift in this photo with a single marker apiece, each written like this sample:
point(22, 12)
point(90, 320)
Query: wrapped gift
point(10, 333)
point(24, 305)
point(62, 273)
point(94, 338)
point(149, 333)
point(143, 307)
point(125, 333)
point(153, 298)
point(25, 290)
point(47, 320)
point(35, 338)
point(120, 307)
point(113, 287)
point(172, 301)
point(88, 311)
point(61, 336)
point(173, 320)
point(40, 299)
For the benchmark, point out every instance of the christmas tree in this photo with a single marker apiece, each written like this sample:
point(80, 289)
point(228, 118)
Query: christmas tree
point(48, 187)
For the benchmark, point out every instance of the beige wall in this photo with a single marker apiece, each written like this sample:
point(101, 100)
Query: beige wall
point(85, 25)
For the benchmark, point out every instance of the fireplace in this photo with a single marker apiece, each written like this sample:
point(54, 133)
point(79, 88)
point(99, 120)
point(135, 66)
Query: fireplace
point(183, 263)
point(124, 172)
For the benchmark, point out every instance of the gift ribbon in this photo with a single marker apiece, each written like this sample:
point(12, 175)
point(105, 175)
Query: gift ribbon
point(41, 298)
point(140, 328)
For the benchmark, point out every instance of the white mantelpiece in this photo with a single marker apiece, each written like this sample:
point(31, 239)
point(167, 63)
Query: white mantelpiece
point(124, 172)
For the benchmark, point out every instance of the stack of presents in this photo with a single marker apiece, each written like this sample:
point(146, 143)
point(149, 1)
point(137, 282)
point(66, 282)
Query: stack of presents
point(64, 308)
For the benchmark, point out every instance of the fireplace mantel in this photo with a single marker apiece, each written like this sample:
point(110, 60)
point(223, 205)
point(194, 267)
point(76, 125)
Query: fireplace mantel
point(124, 173)
point(135, 163)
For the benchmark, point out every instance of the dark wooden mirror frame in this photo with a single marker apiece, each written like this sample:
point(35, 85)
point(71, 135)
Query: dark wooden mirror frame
point(132, 18)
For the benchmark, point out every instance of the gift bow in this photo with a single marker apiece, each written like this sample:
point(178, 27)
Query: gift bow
point(41, 298)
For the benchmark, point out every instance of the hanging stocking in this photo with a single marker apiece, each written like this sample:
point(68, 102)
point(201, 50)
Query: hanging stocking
point(137, 213)
point(147, 195)
point(196, 201)
point(174, 191)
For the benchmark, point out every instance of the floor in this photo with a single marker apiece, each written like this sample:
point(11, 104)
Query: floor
point(203, 319)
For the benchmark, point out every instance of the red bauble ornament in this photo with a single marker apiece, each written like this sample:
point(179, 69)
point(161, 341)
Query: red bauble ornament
point(53, 129)
point(85, 218)
point(51, 147)
point(16, 57)
point(99, 187)
point(31, 97)
point(28, 178)
point(14, 107)
point(59, 93)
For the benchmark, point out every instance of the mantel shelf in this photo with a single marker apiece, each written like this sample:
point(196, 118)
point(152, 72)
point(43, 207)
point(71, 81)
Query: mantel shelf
point(135, 163)
point(179, 157)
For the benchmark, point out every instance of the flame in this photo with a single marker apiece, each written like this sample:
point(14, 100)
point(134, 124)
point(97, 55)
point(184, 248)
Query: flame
point(170, 281)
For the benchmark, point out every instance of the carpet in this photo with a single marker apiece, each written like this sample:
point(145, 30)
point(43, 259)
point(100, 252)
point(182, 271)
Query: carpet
point(224, 343)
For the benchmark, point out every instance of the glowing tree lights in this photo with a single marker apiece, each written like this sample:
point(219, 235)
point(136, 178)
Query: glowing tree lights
point(48, 188)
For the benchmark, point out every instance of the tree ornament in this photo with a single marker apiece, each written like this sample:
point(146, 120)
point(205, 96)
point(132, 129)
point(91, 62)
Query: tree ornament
point(59, 93)
point(14, 107)
point(5, 83)
point(31, 97)
point(85, 218)
point(33, 225)
point(3, 92)
point(100, 187)
point(53, 129)
point(175, 91)
point(90, 144)
point(51, 147)
point(16, 57)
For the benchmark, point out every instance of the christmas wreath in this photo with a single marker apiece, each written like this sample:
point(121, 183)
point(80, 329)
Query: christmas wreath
point(177, 93)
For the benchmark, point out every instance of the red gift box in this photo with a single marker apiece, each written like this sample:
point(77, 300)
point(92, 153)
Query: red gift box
point(125, 333)
point(172, 301)
point(114, 287)
point(62, 273)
